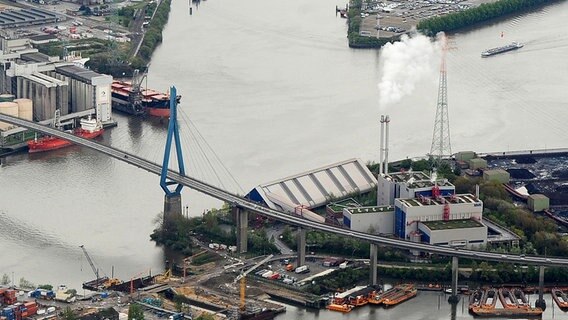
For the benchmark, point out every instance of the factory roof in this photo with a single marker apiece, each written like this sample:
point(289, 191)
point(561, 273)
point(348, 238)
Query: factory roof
point(43, 37)
point(317, 187)
point(452, 224)
point(29, 16)
point(379, 209)
point(78, 73)
point(35, 57)
point(427, 201)
point(417, 179)
point(345, 203)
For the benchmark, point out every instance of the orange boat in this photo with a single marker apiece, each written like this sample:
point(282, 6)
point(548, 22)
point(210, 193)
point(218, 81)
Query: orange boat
point(90, 128)
point(522, 301)
point(560, 298)
point(372, 298)
point(507, 299)
point(358, 301)
point(475, 299)
point(489, 299)
point(512, 312)
point(407, 291)
point(345, 308)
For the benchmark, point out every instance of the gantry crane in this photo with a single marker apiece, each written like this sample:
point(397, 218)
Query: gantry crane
point(108, 282)
point(242, 278)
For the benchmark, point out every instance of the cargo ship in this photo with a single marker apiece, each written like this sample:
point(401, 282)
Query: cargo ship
point(139, 101)
point(509, 313)
point(560, 298)
point(90, 128)
point(494, 51)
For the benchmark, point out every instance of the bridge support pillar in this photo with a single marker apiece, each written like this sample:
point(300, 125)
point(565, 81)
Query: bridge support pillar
point(172, 206)
point(540, 303)
point(374, 249)
point(454, 298)
point(241, 216)
point(301, 242)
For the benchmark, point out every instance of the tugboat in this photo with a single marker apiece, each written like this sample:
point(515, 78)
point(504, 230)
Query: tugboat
point(90, 128)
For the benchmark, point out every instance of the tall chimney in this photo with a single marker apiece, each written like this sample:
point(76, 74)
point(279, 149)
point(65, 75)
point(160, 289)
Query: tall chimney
point(381, 138)
point(387, 120)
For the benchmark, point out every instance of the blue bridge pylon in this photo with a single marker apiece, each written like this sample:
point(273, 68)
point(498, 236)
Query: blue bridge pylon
point(173, 132)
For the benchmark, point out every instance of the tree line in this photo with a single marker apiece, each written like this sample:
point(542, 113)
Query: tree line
point(483, 12)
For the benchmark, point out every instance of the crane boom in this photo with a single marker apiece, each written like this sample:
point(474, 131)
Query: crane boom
point(95, 270)
point(261, 262)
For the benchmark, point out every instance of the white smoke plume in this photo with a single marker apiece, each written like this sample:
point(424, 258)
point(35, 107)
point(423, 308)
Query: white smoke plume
point(404, 64)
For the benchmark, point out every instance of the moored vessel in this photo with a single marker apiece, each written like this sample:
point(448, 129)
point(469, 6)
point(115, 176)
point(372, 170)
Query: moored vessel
point(560, 298)
point(507, 299)
point(521, 298)
point(132, 99)
point(406, 292)
point(475, 299)
point(340, 307)
point(90, 128)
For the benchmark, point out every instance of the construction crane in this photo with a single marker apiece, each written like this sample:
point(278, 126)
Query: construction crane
point(135, 96)
point(242, 278)
point(108, 282)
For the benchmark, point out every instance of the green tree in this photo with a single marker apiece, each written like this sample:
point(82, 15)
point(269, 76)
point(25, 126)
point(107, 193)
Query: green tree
point(68, 314)
point(205, 316)
point(135, 312)
point(5, 279)
point(45, 286)
point(25, 284)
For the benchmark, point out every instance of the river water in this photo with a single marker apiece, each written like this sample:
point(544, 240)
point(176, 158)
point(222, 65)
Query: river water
point(274, 90)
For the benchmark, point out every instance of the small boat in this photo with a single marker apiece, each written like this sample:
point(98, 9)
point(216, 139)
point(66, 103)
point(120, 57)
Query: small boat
point(560, 298)
point(475, 299)
point(494, 51)
point(345, 308)
point(510, 313)
point(507, 299)
point(489, 299)
point(522, 301)
point(90, 128)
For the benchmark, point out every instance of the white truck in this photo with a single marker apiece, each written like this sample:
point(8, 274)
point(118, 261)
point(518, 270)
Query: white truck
point(302, 269)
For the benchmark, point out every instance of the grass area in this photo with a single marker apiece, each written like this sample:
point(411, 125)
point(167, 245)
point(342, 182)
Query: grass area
point(452, 224)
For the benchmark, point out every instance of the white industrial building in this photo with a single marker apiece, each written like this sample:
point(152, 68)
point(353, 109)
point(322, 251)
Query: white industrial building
point(380, 220)
point(409, 185)
point(453, 220)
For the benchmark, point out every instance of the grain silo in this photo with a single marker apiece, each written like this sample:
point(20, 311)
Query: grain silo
point(11, 109)
point(25, 109)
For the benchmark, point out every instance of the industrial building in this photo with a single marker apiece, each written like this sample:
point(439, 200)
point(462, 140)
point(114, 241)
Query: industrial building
point(26, 17)
point(300, 193)
point(52, 83)
point(377, 220)
point(454, 219)
point(409, 185)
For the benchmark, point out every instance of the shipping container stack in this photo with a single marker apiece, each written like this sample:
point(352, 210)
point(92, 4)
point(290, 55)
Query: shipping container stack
point(19, 310)
point(8, 296)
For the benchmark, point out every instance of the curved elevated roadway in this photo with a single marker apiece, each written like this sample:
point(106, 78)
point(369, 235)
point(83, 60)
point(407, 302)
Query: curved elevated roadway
point(282, 216)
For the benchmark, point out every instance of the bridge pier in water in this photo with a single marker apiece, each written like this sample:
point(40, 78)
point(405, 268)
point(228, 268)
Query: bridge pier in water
point(540, 303)
point(374, 250)
point(301, 242)
point(241, 216)
point(454, 298)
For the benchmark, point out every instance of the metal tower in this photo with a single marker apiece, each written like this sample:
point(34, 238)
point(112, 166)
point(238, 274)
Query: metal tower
point(172, 200)
point(441, 147)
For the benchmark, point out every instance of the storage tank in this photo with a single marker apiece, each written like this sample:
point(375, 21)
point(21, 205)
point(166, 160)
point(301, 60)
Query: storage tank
point(11, 109)
point(6, 97)
point(25, 109)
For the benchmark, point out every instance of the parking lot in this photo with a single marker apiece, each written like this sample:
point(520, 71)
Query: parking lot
point(394, 18)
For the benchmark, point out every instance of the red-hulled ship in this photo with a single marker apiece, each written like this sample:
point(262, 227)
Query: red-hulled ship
point(135, 100)
point(90, 128)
